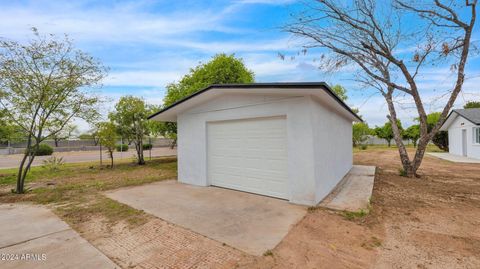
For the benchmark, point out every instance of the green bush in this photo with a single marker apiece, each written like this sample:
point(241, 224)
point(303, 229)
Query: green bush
point(44, 150)
point(147, 146)
point(363, 146)
point(122, 147)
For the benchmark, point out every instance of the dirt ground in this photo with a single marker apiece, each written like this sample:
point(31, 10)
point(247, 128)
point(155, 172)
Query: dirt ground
point(430, 222)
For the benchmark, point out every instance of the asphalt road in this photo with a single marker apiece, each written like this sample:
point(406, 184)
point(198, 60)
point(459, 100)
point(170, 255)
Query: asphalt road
point(12, 161)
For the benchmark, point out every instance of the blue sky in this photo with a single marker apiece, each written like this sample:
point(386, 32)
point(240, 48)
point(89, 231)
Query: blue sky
point(148, 44)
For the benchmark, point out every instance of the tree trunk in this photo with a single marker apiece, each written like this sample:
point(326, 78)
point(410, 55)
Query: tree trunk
point(173, 144)
point(23, 170)
point(20, 175)
point(408, 168)
point(111, 158)
point(420, 152)
point(139, 148)
point(20, 179)
point(389, 142)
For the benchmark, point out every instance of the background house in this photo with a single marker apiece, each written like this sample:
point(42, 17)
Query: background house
point(463, 126)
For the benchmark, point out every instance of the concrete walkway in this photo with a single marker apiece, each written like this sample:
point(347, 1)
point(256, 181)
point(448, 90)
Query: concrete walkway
point(33, 237)
point(12, 161)
point(249, 222)
point(453, 158)
point(354, 191)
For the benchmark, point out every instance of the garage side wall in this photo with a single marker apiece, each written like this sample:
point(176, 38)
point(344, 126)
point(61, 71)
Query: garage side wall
point(192, 137)
point(333, 147)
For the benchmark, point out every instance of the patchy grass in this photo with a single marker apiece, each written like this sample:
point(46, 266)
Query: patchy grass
point(402, 172)
point(74, 191)
point(268, 253)
point(353, 215)
point(106, 208)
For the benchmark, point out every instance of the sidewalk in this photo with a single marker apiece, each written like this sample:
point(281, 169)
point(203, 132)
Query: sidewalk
point(33, 237)
point(453, 158)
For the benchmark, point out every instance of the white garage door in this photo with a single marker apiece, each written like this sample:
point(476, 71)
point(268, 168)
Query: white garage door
point(249, 155)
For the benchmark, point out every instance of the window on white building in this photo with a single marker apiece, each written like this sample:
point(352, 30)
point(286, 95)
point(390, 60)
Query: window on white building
point(476, 135)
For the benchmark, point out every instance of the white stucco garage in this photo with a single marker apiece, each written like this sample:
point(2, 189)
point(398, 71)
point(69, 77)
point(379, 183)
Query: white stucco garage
point(286, 140)
point(463, 126)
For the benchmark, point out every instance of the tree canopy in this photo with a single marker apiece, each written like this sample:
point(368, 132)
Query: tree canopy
point(340, 91)
point(472, 104)
point(130, 118)
point(107, 135)
point(360, 132)
point(440, 139)
point(45, 84)
point(386, 131)
point(221, 69)
point(412, 133)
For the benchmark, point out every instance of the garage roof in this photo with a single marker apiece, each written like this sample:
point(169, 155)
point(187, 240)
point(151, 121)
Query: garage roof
point(319, 89)
point(470, 114)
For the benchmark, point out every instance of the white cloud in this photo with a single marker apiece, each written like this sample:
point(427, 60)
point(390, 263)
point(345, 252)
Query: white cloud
point(280, 44)
point(121, 22)
point(141, 78)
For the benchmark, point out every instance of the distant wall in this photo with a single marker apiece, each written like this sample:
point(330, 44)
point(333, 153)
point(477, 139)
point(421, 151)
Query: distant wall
point(74, 145)
point(373, 140)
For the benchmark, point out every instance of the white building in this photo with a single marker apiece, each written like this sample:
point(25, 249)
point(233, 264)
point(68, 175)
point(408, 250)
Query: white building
point(287, 140)
point(463, 126)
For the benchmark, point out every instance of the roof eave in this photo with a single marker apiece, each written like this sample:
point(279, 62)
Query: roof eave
point(303, 85)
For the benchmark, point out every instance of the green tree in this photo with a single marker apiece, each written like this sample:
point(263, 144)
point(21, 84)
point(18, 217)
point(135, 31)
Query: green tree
point(472, 104)
point(43, 86)
point(9, 132)
point(165, 129)
point(130, 118)
point(85, 136)
point(221, 69)
point(412, 133)
point(341, 92)
point(107, 132)
point(440, 139)
point(360, 133)
point(386, 131)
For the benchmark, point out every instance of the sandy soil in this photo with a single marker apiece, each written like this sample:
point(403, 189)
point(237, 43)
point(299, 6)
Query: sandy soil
point(430, 222)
